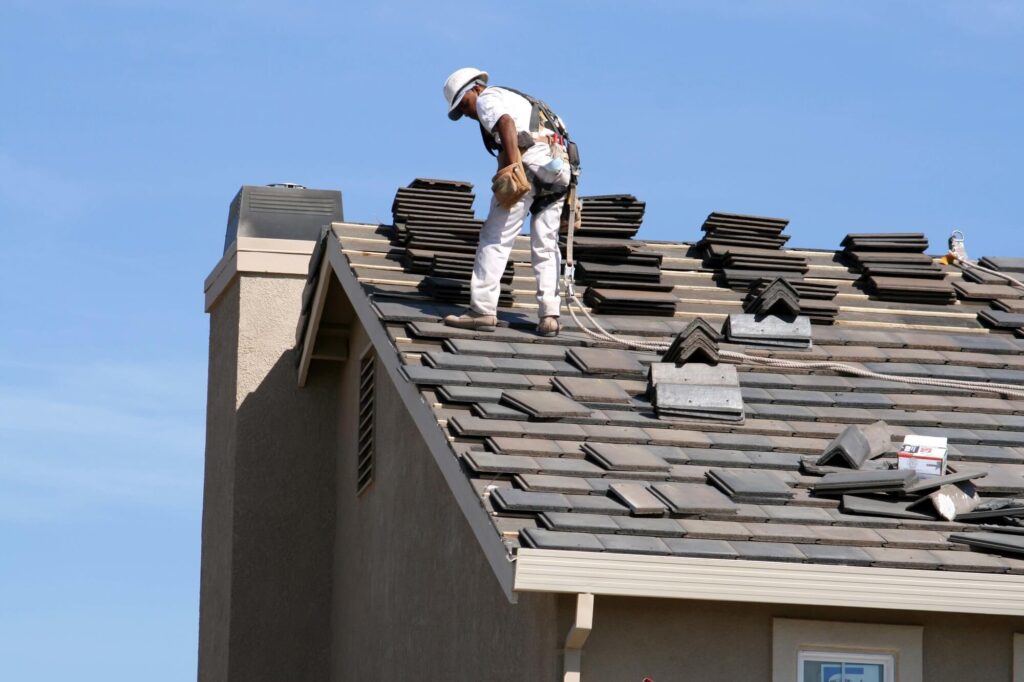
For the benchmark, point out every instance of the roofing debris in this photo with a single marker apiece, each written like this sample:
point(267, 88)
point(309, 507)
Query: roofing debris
point(569, 448)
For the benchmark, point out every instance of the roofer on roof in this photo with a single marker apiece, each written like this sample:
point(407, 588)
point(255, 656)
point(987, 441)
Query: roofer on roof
point(533, 176)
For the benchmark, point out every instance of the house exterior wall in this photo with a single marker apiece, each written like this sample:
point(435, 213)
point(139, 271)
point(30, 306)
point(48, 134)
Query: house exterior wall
point(268, 500)
point(414, 597)
point(700, 641)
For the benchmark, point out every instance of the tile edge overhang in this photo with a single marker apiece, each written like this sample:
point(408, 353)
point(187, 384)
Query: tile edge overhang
point(738, 580)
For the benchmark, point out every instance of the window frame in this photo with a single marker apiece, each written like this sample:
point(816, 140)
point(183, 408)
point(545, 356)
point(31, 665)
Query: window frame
point(792, 637)
point(886, 660)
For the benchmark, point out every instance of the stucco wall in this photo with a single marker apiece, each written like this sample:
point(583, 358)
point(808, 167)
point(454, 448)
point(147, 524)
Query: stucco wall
point(268, 502)
point(414, 598)
point(683, 641)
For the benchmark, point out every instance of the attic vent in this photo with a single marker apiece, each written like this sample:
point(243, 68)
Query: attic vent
point(365, 447)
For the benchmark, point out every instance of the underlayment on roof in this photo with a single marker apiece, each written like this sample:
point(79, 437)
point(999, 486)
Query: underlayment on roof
point(562, 443)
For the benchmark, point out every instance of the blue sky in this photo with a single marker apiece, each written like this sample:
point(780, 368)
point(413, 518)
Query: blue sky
point(126, 127)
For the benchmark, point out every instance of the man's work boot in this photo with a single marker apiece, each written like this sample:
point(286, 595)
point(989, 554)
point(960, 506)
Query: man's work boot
point(548, 326)
point(472, 320)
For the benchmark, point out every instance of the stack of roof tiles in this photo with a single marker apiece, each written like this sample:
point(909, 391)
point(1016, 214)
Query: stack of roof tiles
point(434, 221)
point(744, 248)
point(894, 267)
point(623, 277)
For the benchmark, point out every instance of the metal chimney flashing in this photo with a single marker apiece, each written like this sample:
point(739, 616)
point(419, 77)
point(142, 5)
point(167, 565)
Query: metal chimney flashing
point(281, 211)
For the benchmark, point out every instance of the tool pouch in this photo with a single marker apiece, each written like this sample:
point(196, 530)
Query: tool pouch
point(510, 184)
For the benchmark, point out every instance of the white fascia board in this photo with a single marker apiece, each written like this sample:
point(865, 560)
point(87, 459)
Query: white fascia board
point(768, 582)
point(426, 422)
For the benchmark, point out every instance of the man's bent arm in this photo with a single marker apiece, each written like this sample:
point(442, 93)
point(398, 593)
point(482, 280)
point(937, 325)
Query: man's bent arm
point(506, 129)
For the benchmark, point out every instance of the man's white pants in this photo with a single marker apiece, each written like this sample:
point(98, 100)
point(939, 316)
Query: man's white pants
point(500, 231)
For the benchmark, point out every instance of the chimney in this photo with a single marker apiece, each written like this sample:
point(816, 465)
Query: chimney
point(268, 499)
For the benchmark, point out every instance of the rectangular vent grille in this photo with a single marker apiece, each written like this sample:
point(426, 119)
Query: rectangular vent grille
point(277, 202)
point(365, 446)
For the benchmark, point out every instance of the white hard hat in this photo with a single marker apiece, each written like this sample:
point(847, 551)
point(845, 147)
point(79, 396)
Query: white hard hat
point(456, 87)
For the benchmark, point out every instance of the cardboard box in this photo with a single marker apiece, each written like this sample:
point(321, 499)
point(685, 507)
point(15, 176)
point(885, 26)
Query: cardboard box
point(925, 455)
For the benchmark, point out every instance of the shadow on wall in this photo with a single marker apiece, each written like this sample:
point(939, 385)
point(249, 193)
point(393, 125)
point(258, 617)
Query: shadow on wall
point(284, 506)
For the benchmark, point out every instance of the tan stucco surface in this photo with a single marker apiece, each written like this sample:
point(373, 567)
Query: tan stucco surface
point(268, 503)
point(698, 641)
point(414, 598)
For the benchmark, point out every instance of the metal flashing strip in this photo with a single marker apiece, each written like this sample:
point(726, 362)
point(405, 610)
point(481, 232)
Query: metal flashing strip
point(770, 582)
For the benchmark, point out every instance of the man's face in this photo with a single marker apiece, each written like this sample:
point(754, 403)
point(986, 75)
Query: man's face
point(468, 104)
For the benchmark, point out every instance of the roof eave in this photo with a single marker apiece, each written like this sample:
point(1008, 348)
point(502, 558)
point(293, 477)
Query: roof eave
point(768, 582)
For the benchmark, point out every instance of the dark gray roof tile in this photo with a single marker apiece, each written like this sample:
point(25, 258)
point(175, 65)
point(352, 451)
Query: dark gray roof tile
point(494, 349)
point(678, 437)
point(474, 427)
point(633, 544)
point(847, 535)
point(717, 457)
point(690, 499)
point(468, 394)
point(452, 361)
point(805, 515)
point(496, 411)
point(605, 361)
point(544, 483)
point(486, 462)
point(592, 390)
point(514, 500)
point(577, 522)
point(913, 539)
point(615, 457)
point(566, 466)
point(652, 526)
point(537, 351)
point(714, 530)
point(524, 446)
point(544, 404)
point(428, 376)
point(614, 434)
point(523, 365)
point(835, 554)
point(768, 551)
point(801, 397)
point(787, 461)
point(498, 379)
point(597, 504)
point(970, 561)
point(901, 558)
point(782, 532)
point(707, 549)
point(540, 538)
point(559, 430)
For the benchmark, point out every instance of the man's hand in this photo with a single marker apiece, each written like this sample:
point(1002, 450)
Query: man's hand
point(506, 129)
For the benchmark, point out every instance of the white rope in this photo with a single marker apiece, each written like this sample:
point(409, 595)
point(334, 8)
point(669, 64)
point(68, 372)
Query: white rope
point(980, 386)
point(971, 265)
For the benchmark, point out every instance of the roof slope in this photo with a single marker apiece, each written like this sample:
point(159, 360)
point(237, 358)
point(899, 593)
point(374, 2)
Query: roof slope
point(578, 473)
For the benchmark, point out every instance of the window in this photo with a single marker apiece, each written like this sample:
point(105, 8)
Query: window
point(365, 436)
point(824, 666)
point(830, 651)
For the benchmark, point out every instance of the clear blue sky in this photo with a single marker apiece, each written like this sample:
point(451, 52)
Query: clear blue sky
point(126, 128)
